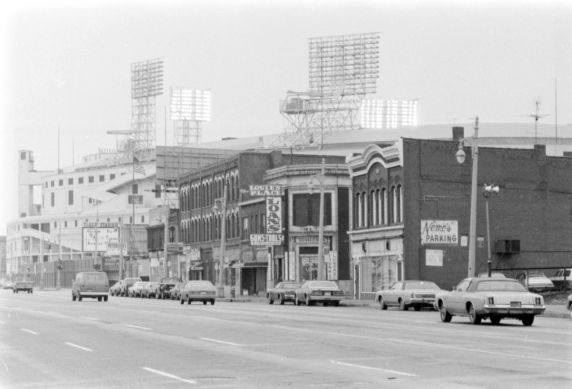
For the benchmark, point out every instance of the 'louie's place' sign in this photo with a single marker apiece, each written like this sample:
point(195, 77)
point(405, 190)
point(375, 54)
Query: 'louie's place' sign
point(435, 232)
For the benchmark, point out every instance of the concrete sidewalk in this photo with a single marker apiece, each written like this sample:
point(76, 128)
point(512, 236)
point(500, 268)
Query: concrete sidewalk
point(558, 311)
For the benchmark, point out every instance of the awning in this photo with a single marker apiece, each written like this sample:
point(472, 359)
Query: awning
point(255, 264)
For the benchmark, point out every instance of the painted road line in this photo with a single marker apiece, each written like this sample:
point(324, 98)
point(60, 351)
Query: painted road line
point(373, 368)
point(138, 327)
point(220, 341)
point(29, 331)
point(172, 376)
point(79, 347)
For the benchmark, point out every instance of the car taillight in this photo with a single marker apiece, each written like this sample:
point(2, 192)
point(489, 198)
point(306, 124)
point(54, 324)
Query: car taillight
point(490, 301)
point(538, 301)
point(412, 295)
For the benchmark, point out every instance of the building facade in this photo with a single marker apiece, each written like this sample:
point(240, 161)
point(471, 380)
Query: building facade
point(411, 212)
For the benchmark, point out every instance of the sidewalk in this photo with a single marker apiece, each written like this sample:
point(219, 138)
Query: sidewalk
point(558, 311)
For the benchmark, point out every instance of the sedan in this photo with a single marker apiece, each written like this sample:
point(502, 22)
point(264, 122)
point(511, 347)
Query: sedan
point(116, 288)
point(196, 290)
point(175, 291)
point(283, 291)
point(535, 281)
point(411, 293)
point(136, 289)
point(150, 289)
point(492, 298)
point(327, 292)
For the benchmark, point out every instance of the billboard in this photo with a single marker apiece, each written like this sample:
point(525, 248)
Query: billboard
point(439, 232)
point(98, 238)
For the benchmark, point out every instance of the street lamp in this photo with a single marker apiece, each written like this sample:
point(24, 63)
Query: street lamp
point(487, 191)
point(460, 155)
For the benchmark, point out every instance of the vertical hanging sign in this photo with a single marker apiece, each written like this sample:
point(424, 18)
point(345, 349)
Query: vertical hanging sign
point(273, 215)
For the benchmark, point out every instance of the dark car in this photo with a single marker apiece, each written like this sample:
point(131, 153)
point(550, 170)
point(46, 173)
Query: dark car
point(327, 292)
point(197, 290)
point(165, 286)
point(283, 291)
point(24, 286)
point(90, 284)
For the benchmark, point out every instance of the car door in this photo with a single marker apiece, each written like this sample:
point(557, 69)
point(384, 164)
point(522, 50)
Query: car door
point(455, 301)
point(393, 293)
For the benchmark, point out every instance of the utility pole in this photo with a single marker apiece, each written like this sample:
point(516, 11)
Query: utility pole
point(321, 261)
point(220, 284)
point(473, 215)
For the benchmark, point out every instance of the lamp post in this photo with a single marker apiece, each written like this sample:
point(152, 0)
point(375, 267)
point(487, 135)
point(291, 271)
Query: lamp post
point(487, 191)
point(321, 261)
point(220, 285)
point(460, 155)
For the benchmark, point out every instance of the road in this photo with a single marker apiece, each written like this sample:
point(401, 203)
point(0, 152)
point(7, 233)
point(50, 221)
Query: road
point(48, 341)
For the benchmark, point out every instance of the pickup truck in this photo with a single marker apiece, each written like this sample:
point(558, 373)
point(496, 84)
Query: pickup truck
point(26, 286)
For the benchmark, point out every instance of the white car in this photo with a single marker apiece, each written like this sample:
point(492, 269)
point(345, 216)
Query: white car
point(535, 281)
point(410, 293)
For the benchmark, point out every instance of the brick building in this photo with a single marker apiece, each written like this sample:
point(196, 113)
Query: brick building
point(410, 216)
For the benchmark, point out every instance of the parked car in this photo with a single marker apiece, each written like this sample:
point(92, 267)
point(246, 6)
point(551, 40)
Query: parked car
point(90, 284)
point(562, 279)
point(410, 293)
point(136, 288)
point(24, 286)
point(283, 291)
point(165, 287)
point(175, 291)
point(115, 289)
point(150, 289)
point(128, 283)
point(198, 290)
point(492, 298)
point(535, 281)
point(326, 292)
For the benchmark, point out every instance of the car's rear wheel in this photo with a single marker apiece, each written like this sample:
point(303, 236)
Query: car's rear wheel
point(308, 301)
point(182, 301)
point(445, 316)
point(99, 299)
point(205, 302)
point(189, 301)
point(382, 304)
point(282, 300)
point(78, 297)
point(528, 320)
point(402, 305)
point(212, 302)
point(270, 299)
point(473, 316)
point(495, 320)
point(297, 301)
point(73, 297)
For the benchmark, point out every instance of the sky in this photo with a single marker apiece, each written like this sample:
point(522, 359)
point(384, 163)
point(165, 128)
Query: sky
point(65, 65)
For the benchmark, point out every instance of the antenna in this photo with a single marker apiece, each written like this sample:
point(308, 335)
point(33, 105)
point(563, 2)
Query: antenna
point(536, 116)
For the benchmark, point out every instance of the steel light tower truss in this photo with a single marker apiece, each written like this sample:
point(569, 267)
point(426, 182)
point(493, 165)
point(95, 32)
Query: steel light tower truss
point(189, 109)
point(342, 71)
point(146, 84)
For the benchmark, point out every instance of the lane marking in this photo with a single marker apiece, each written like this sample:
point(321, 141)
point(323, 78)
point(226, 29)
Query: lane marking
point(220, 341)
point(29, 331)
point(79, 347)
point(138, 327)
point(168, 375)
point(373, 368)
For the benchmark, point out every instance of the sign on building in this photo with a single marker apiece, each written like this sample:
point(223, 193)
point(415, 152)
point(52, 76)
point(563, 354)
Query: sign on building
point(439, 232)
point(273, 215)
point(265, 190)
point(266, 239)
point(98, 238)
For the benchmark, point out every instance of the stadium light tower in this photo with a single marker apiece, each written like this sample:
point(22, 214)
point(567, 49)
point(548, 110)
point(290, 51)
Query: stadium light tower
point(189, 109)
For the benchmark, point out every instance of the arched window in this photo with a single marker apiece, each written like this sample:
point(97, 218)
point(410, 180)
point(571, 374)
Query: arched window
point(365, 209)
point(399, 204)
point(374, 207)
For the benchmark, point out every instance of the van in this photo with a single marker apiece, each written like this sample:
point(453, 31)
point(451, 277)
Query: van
point(90, 284)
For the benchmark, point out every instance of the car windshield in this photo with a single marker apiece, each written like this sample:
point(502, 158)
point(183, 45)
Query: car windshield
point(289, 285)
point(501, 286)
point(200, 283)
point(93, 277)
point(322, 284)
point(420, 285)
